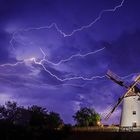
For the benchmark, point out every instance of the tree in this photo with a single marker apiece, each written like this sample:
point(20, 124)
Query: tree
point(34, 116)
point(38, 116)
point(44, 119)
point(32, 123)
point(54, 121)
point(14, 114)
point(86, 117)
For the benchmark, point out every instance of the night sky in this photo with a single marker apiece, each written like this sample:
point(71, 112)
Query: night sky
point(55, 53)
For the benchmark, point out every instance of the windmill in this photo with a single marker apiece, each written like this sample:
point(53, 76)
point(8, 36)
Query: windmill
point(130, 115)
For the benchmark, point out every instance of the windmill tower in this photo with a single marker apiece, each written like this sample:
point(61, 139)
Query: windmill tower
point(130, 115)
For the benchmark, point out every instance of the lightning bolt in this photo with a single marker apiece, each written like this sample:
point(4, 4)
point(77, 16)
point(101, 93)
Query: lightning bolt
point(41, 63)
point(71, 57)
point(54, 25)
point(66, 60)
point(17, 63)
point(74, 31)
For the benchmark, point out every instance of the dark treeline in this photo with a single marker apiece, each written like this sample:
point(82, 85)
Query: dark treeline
point(18, 122)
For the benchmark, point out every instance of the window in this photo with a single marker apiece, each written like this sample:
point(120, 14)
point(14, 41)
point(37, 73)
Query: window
point(134, 112)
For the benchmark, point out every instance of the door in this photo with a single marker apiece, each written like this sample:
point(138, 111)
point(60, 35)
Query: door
point(134, 124)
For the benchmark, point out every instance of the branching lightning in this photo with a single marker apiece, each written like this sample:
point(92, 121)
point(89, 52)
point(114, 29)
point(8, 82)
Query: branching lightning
point(45, 61)
point(65, 60)
point(71, 57)
point(54, 25)
point(41, 63)
point(75, 30)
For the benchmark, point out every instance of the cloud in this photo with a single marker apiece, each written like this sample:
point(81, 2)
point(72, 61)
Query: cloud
point(123, 56)
point(29, 83)
point(4, 48)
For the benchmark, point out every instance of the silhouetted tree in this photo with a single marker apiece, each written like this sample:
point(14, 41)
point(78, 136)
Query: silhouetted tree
point(14, 114)
point(38, 116)
point(54, 120)
point(86, 117)
point(33, 123)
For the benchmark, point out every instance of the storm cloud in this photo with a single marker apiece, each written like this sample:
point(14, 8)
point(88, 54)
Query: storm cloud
point(21, 38)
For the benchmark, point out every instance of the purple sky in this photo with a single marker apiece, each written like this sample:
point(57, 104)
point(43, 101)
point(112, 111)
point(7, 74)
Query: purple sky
point(113, 42)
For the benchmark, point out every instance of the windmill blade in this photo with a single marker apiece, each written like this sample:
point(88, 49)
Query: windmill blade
point(114, 108)
point(115, 78)
point(137, 80)
point(106, 111)
point(133, 86)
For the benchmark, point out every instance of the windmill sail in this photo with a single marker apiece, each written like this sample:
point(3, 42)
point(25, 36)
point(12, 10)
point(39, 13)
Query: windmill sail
point(131, 89)
point(114, 108)
point(114, 77)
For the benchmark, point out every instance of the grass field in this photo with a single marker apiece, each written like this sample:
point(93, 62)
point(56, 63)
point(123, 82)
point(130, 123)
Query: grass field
point(103, 135)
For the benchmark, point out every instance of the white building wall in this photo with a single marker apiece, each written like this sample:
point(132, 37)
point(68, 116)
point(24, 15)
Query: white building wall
point(130, 104)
